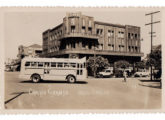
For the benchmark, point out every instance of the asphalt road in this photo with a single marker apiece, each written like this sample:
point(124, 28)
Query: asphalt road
point(107, 93)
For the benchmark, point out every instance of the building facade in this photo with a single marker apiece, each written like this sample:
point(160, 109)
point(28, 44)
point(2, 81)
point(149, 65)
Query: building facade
point(34, 50)
point(79, 35)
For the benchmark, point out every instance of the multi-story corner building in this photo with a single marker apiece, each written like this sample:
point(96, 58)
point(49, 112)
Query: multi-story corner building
point(34, 50)
point(79, 35)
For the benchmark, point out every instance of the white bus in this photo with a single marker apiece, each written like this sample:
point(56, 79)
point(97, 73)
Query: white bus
point(37, 69)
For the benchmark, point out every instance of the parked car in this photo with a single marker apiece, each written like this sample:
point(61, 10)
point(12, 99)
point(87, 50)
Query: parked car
point(141, 74)
point(105, 73)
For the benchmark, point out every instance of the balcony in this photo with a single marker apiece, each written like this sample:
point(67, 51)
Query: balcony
point(78, 34)
point(97, 52)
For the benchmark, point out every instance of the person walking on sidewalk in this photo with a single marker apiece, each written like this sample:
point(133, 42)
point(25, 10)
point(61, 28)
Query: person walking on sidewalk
point(125, 76)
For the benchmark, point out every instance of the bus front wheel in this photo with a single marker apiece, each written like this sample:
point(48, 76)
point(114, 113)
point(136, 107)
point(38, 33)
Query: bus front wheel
point(36, 78)
point(71, 79)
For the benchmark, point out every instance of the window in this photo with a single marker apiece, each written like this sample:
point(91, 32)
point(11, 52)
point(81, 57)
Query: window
point(110, 33)
point(90, 30)
point(34, 64)
point(111, 47)
point(83, 29)
point(72, 29)
point(129, 35)
point(129, 49)
point(136, 50)
point(101, 46)
point(72, 21)
point(47, 64)
point(132, 49)
point(81, 72)
point(27, 64)
point(132, 36)
point(66, 64)
point(120, 34)
point(78, 72)
point(83, 22)
point(81, 65)
point(73, 65)
point(99, 31)
point(40, 64)
point(84, 65)
point(53, 64)
point(59, 64)
point(121, 48)
point(135, 36)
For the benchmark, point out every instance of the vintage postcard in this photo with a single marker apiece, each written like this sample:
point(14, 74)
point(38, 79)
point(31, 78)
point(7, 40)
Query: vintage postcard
point(81, 60)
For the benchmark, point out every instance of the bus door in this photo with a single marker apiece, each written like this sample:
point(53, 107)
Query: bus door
point(47, 71)
point(80, 70)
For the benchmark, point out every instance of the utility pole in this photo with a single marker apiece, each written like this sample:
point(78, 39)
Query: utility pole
point(151, 23)
point(94, 60)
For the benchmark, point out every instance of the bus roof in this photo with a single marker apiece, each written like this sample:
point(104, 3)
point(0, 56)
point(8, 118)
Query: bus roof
point(55, 59)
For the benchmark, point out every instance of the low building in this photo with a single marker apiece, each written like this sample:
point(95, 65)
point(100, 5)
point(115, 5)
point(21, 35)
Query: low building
point(34, 50)
point(79, 35)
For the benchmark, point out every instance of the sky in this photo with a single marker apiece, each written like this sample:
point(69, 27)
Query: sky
point(25, 27)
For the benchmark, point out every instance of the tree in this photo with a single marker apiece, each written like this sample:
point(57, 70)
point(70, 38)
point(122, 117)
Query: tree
point(121, 64)
point(97, 64)
point(155, 60)
point(140, 65)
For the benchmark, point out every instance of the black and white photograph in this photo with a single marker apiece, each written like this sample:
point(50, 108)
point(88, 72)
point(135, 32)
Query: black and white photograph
point(83, 59)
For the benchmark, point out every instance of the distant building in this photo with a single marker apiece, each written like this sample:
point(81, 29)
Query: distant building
point(79, 35)
point(34, 50)
point(156, 47)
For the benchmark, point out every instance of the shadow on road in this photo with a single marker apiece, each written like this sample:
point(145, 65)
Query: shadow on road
point(150, 80)
point(152, 86)
point(50, 81)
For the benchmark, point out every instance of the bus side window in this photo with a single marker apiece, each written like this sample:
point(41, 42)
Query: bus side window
point(59, 64)
point(73, 65)
point(78, 72)
point(34, 64)
point(66, 64)
point(84, 65)
point(40, 64)
point(81, 65)
point(27, 64)
point(53, 64)
point(46, 64)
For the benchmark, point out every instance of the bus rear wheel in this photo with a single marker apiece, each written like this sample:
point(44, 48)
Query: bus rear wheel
point(71, 79)
point(36, 78)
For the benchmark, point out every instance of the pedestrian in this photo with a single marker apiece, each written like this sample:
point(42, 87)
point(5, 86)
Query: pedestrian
point(125, 76)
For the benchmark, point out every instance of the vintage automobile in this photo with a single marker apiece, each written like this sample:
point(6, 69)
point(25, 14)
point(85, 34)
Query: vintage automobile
point(105, 73)
point(141, 74)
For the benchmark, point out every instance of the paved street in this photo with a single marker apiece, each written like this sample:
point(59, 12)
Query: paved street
point(106, 93)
